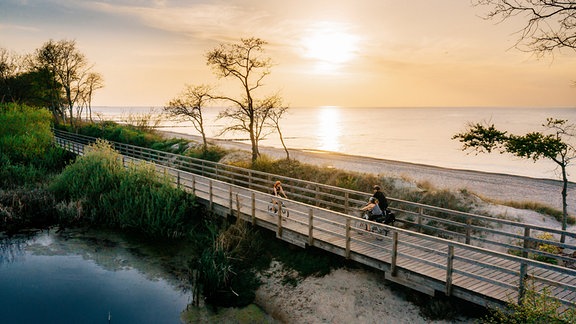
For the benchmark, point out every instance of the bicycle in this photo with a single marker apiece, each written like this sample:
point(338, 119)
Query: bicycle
point(388, 218)
point(273, 209)
point(360, 224)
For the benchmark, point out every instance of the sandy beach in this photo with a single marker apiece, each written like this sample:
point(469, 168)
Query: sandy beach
point(494, 186)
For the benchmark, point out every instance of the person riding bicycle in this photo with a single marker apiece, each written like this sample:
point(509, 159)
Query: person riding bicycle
point(277, 190)
point(382, 201)
point(389, 217)
point(373, 209)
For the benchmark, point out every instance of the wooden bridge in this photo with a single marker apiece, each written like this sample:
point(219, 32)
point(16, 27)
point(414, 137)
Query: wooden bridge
point(433, 250)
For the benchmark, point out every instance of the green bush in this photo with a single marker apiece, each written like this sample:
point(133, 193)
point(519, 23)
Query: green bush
point(227, 267)
point(25, 135)
point(135, 198)
point(535, 308)
point(120, 133)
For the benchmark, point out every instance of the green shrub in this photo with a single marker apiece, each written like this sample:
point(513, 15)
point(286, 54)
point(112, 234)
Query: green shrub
point(120, 133)
point(135, 198)
point(535, 308)
point(25, 135)
point(97, 172)
point(212, 153)
point(227, 267)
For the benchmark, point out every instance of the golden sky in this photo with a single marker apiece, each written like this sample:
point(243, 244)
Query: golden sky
point(370, 53)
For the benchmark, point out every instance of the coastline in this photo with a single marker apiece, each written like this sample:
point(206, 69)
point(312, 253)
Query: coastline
point(494, 186)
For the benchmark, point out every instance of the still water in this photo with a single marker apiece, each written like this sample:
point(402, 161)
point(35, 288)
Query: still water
point(415, 135)
point(84, 278)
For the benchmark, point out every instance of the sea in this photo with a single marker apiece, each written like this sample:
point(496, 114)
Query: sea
point(420, 135)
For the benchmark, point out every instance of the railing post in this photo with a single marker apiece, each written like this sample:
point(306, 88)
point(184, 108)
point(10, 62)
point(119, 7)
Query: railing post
point(279, 221)
point(468, 229)
point(178, 179)
point(211, 194)
point(449, 269)
point(420, 213)
point(522, 283)
point(230, 203)
point(238, 208)
point(310, 227)
point(347, 255)
point(317, 197)
point(346, 202)
point(249, 179)
point(253, 208)
point(194, 185)
point(526, 244)
point(394, 255)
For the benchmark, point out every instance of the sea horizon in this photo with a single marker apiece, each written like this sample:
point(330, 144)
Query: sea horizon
point(419, 135)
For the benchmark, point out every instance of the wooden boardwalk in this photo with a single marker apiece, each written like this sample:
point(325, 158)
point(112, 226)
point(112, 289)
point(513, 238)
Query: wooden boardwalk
point(425, 263)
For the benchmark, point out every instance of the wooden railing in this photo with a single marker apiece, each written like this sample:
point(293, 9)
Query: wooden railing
point(478, 230)
point(463, 258)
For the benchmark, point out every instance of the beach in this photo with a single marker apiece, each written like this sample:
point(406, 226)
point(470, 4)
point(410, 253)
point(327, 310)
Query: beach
point(494, 186)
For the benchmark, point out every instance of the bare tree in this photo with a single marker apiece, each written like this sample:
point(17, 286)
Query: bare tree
point(93, 82)
point(277, 110)
point(69, 68)
point(10, 64)
point(243, 62)
point(189, 105)
point(550, 24)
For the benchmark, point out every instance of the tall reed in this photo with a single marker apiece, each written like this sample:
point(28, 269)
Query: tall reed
point(134, 198)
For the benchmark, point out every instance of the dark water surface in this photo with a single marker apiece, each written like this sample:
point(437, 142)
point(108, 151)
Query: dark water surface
point(84, 278)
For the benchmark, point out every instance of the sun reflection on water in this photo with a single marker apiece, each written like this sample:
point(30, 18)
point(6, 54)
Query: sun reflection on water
point(329, 129)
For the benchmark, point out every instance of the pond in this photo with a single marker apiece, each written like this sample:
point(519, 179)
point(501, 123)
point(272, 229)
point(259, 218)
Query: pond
point(83, 277)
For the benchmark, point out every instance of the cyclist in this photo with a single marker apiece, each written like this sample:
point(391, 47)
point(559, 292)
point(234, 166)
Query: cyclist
point(382, 201)
point(372, 208)
point(277, 191)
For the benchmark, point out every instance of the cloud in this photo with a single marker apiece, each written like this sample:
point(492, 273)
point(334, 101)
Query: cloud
point(7, 27)
point(198, 20)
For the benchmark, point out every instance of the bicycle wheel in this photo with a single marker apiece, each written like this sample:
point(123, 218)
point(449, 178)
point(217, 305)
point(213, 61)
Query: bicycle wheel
point(360, 225)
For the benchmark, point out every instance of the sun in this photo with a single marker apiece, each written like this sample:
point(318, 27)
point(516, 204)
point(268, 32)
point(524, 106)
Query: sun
point(330, 45)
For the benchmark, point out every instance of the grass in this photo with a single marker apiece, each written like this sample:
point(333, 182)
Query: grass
point(135, 198)
point(139, 132)
point(540, 208)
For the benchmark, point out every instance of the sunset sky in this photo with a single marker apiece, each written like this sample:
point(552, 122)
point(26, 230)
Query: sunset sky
point(370, 53)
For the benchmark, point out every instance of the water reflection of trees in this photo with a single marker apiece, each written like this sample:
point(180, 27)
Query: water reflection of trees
point(111, 251)
point(12, 249)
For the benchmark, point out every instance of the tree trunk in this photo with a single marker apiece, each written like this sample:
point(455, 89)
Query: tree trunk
point(564, 203)
point(282, 141)
point(204, 143)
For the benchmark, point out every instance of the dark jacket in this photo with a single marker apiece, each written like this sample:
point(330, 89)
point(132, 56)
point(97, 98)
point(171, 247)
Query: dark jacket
point(382, 202)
